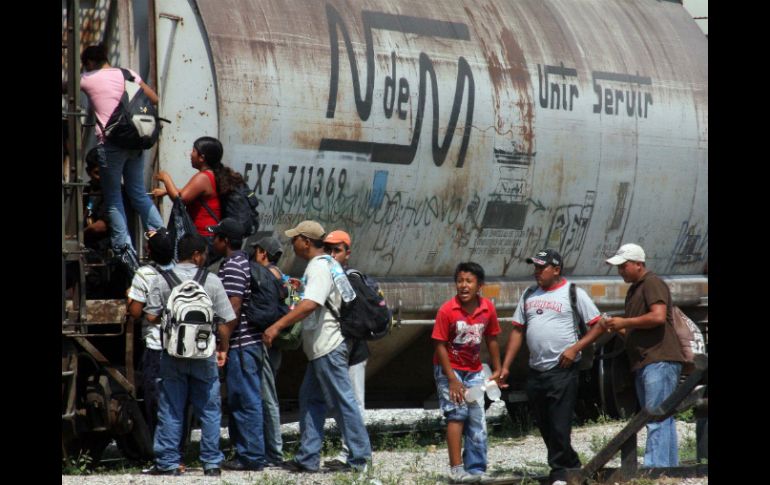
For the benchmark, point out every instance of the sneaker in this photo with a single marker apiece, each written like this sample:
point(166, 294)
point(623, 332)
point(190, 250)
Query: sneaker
point(463, 476)
point(559, 482)
point(154, 470)
point(238, 466)
point(128, 257)
point(296, 467)
point(336, 464)
point(182, 467)
point(274, 464)
point(212, 472)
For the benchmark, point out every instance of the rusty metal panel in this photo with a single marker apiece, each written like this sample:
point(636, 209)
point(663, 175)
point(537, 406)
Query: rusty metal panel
point(455, 130)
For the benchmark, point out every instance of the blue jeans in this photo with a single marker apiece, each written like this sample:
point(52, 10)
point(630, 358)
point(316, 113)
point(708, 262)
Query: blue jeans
point(654, 383)
point(198, 380)
point(471, 414)
point(244, 402)
point(326, 387)
point(270, 410)
point(116, 163)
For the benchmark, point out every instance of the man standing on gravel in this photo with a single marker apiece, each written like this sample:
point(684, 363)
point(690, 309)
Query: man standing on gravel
point(326, 386)
point(652, 346)
point(545, 313)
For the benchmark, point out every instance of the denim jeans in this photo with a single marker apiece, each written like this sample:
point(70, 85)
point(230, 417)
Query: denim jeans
point(150, 375)
point(116, 163)
point(357, 373)
point(552, 396)
point(654, 383)
point(326, 387)
point(471, 414)
point(244, 402)
point(198, 380)
point(271, 415)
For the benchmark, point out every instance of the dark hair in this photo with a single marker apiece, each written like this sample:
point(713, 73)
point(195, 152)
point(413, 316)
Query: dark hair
point(317, 243)
point(212, 151)
point(96, 53)
point(274, 258)
point(92, 159)
point(189, 243)
point(471, 267)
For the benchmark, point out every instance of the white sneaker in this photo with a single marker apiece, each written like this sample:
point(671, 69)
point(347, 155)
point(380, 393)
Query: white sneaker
point(463, 476)
point(559, 482)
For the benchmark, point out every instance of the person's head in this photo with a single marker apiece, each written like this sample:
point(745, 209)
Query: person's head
point(337, 244)
point(547, 267)
point(206, 150)
point(469, 278)
point(93, 57)
point(630, 262)
point(228, 235)
point(160, 246)
point(267, 250)
point(92, 165)
point(192, 249)
point(307, 239)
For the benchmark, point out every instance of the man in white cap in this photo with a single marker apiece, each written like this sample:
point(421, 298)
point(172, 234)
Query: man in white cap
point(326, 386)
point(652, 347)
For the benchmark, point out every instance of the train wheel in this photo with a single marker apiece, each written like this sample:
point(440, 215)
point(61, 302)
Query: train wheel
point(616, 382)
point(133, 439)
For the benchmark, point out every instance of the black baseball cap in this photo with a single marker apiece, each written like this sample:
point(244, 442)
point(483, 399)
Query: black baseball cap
point(161, 245)
point(229, 228)
point(545, 257)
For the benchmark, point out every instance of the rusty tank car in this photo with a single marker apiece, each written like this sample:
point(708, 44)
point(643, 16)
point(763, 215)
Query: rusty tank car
point(433, 132)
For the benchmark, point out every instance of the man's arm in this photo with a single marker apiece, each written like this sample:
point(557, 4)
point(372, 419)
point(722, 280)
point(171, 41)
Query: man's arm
point(135, 309)
point(149, 92)
point(494, 353)
point(456, 389)
point(568, 356)
point(655, 317)
point(303, 309)
point(511, 350)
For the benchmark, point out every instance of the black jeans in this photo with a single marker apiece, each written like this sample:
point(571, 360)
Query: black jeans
point(552, 395)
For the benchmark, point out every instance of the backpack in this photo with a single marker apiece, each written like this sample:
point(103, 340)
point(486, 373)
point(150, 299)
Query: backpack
point(188, 328)
point(135, 123)
point(367, 316)
point(690, 338)
point(240, 204)
point(266, 303)
point(587, 354)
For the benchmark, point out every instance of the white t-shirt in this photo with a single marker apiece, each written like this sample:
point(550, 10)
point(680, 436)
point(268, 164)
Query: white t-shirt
point(320, 331)
point(140, 288)
point(550, 329)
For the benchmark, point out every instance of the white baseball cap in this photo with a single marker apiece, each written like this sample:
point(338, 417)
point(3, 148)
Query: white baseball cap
point(627, 252)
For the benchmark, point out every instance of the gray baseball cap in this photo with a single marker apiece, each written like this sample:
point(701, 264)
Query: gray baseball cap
point(269, 244)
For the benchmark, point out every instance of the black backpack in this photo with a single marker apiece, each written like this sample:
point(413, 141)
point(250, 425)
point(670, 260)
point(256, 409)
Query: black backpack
point(135, 123)
point(266, 304)
point(240, 204)
point(587, 354)
point(367, 316)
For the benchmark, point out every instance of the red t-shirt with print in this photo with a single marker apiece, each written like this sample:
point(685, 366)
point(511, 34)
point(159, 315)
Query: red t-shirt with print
point(464, 332)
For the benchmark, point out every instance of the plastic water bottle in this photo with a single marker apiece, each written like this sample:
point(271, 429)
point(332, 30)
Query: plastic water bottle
point(490, 386)
point(342, 283)
point(475, 393)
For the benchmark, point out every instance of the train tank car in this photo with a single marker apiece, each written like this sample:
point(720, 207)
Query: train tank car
point(446, 131)
point(433, 132)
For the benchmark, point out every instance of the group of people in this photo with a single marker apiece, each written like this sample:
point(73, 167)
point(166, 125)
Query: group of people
point(546, 316)
point(334, 380)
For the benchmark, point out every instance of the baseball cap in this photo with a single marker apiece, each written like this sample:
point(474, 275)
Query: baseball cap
point(270, 244)
point(229, 228)
point(627, 252)
point(161, 245)
point(545, 257)
point(336, 237)
point(310, 229)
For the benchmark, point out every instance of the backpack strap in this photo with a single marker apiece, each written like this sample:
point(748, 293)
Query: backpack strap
point(527, 293)
point(201, 275)
point(171, 278)
point(209, 210)
point(127, 75)
point(577, 318)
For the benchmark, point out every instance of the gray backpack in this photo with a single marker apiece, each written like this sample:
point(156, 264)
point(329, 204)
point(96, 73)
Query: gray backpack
point(188, 330)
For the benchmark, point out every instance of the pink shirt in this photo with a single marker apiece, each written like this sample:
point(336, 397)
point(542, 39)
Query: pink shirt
point(104, 88)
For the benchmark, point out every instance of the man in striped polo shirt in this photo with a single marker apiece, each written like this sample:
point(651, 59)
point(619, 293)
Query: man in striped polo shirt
point(244, 358)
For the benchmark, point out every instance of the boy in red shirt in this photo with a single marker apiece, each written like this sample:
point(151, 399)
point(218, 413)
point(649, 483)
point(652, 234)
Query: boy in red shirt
point(460, 324)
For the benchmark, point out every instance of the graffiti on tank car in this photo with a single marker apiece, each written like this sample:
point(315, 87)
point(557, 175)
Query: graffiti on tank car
point(396, 95)
point(611, 97)
point(690, 246)
point(559, 93)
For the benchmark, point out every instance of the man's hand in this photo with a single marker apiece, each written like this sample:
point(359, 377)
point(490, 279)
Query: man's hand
point(269, 335)
point(615, 324)
point(456, 391)
point(567, 358)
point(502, 381)
point(221, 358)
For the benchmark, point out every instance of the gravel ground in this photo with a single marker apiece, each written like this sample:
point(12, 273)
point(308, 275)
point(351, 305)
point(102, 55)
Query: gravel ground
point(424, 465)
